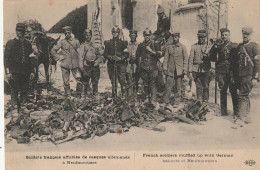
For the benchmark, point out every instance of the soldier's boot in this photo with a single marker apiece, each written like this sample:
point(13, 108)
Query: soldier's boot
point(223, 103)
point(146, 94)
point(79, 87)
point(242, 109)
point(205, 96)
point(235, 104)
point(95, 89)
point(199, 92)
point(123, 93)
point(153, 94)
point(24, 95)
point(14, 98)
point(83, 91)
point(247, 118)
point(67, 91)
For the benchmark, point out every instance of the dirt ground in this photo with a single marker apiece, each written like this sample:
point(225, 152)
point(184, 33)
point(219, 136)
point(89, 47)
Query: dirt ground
point(215, 133)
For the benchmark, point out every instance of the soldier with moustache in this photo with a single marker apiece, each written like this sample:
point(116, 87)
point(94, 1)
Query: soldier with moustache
point(19, 67)
point(147, 56)
point(116, 54)
point(90, 54)
point(199, 66)
point(221, 53)
point(246, 66)
point(69, 58)
point(175, 68)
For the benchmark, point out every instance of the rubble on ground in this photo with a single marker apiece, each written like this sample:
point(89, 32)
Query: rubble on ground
point(58, 119)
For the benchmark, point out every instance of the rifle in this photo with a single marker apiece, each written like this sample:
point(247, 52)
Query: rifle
point(115, 80)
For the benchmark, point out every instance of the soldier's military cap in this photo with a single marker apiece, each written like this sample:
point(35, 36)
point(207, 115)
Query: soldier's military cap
point(202, 33)
point(87, 31)
point(116, 29)
point(147, 32)
point(160, 10)
point(20, 27)
point(247, 30)
point(177, 33)
point(67, 28)
point(133, 32)
point(224, 30)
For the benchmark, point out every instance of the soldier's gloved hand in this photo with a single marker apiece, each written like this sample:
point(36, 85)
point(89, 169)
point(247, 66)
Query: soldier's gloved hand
point(254, 82)
point(9, 76)
point(31, 76)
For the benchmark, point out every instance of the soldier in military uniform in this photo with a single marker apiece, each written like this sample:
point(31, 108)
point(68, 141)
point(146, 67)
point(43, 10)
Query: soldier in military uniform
point(199, 66)
point(116, 66)
point(247, 67)
point(163, 24)
point(221, 53)
point(147, 55)
point(18, 65)
point(161, 36)
point(90, 55)
point(131, 69)
point(175, 67)
point(69, 58)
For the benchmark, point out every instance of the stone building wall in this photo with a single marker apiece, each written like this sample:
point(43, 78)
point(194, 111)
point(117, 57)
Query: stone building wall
point(188, 21)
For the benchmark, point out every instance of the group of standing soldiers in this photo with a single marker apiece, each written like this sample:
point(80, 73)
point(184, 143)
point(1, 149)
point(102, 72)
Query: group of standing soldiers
point(237, 65)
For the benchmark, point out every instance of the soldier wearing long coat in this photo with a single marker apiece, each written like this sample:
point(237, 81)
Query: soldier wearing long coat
point(69, 58)
point(18, 65)
point(246, 67)
point(175, 67)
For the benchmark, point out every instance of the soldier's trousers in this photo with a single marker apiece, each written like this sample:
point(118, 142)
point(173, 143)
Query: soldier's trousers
point(170, 81)
point(202, 80)
point(132, 82)
point(245, 87)
point(66, 78)
point(160, 77)
point(224, 82)
point(149, 78)
point(90, 73)
point(117, 72)
point(19, 83)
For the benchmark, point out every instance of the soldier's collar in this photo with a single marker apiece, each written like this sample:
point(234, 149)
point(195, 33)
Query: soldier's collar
point(86, 42)
point(133, 43)
point(246, 43)
point(115, 39)
point(70, 39)
point(178, 44)
point(17, 38)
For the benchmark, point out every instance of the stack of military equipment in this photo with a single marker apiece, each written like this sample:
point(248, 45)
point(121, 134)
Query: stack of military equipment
point(57, 119)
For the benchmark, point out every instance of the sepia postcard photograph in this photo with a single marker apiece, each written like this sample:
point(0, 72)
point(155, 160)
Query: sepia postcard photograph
point(130, 84)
